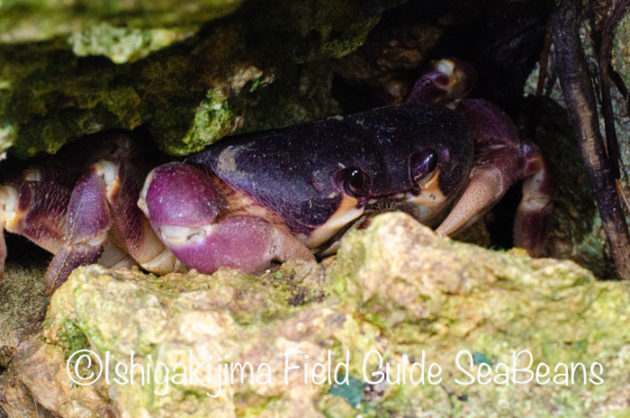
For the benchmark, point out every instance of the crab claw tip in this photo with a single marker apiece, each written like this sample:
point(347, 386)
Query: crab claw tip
point(485, 188)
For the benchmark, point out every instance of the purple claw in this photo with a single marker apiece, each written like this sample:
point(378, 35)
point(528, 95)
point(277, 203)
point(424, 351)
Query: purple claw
point(186, 208)
point(449, 80)
point(243, 242)
point(180, 195)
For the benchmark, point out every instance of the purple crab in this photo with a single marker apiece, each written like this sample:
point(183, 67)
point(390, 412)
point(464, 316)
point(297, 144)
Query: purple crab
point(261, 197)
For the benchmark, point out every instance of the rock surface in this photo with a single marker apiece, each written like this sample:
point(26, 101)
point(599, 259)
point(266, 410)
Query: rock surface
point(23, 303)
point(197, 87)
point(394, 287)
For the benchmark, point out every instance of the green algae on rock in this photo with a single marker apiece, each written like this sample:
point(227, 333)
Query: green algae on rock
point(32, 20)
point(621, 49)
point(123, 44)
point(259, 67)
point(23, 303)
point(395, 290)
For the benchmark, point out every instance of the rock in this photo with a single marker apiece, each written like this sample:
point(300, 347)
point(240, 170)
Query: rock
point(190, 88)
point(394, 287)
point(621, 49)
point(15, 399)
point(29, 21)
point(23, 303)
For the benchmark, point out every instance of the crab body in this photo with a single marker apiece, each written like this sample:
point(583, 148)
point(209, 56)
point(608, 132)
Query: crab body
point(292, 192)
point(297, 172)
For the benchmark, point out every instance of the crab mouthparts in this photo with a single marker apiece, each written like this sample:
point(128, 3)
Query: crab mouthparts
point(424, 203)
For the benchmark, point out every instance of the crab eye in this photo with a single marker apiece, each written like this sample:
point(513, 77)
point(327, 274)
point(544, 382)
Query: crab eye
point(422, 164)
point(354, 181)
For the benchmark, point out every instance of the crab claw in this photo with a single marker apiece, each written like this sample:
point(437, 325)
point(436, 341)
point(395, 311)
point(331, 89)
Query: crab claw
point(188, 210)
point(484, 189)
point(503, 160)
point(449, 80)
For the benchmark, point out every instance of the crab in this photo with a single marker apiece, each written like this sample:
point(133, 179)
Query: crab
point(262, 197)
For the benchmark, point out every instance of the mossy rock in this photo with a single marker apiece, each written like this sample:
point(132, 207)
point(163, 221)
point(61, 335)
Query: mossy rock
point(262, 66)
point(395, 288)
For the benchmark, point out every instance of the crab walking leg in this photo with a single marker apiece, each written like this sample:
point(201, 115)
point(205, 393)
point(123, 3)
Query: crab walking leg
point(4, 197)
point(3, 250)
point(534, 214)
point(131, 233)
point(449, 80)
point(104, 225)
point(85, 232)
point(191, 216)
point(35, 210)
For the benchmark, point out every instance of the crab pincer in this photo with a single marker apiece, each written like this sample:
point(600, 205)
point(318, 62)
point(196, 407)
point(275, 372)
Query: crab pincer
point(207, 225)
point(501, 160)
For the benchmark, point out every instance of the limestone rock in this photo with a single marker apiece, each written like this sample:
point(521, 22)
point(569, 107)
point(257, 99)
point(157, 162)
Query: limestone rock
point(262, 66)
point(395, 289)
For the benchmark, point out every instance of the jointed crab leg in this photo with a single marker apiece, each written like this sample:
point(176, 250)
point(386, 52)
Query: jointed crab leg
point(35, 209)
point(104, 224)
point(85, 231)
point(4, 198)
point(533, 216)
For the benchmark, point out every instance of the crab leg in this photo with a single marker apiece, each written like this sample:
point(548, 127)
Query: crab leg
point(188, 208)
point(450, 80)
point(85, 231)
point(131, 230)
point(35, 209)
point(501, 162)
point(104, 225)
point(4, 197)
point(533, 217)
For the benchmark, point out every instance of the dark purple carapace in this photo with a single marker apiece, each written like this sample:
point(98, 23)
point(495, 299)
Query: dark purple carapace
point(298, 172)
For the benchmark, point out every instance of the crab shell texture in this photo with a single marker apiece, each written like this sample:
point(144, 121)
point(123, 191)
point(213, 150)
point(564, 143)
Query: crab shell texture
point(298, 172)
